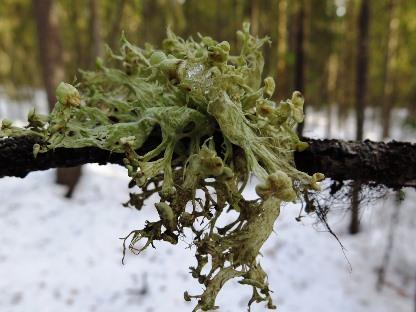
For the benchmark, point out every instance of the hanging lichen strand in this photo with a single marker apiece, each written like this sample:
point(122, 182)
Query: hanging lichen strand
point(218, 126)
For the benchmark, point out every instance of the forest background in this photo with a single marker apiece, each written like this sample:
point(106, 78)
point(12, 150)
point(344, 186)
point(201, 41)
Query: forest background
point(314, 45)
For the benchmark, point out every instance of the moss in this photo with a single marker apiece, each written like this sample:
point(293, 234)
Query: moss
point(218, 126)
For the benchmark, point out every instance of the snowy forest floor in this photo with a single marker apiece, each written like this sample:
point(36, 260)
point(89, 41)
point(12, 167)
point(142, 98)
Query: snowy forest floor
point(64, 255)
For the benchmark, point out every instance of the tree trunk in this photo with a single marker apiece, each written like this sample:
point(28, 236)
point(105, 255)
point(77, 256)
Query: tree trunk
point(50, 48)
point(50, 52)
point(360, 99)
point(78, 48)
point(362, 67)
point(282, 81)
point(331, 89)
point(115, 30)
point(94, 32)
point(347, 79)
point(299, 81)
point(254, 17)
point(390, 64)
point(354, 227)
point(394, 223)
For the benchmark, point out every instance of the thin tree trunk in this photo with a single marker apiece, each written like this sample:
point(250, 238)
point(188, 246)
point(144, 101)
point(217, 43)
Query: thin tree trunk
point(331, 89)
point(394, 222)
point(77, 42)
point(50, 51)
point(299, 81)
point(362, 67)
point(355, 208)
point(115, 30)
point(346, 96)
point(254, 18)
point(390, 64)
point(282, 83)
point(148, 8)
point(94, 31)
point(360, 99)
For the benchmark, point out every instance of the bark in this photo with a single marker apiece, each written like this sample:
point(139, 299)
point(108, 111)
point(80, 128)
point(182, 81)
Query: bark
point(391, 164)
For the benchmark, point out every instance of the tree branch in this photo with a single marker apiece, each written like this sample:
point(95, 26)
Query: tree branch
point(392, 164)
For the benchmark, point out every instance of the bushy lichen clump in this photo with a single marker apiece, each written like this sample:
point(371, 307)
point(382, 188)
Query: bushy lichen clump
point(218, 125)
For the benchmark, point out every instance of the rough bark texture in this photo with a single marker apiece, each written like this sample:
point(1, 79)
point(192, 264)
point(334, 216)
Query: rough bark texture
point(392, 164)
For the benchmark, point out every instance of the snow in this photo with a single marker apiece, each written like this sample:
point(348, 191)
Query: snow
point(65, 255)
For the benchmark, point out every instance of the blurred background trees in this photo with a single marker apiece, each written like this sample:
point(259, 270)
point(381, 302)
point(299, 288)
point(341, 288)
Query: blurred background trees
point(312, 49)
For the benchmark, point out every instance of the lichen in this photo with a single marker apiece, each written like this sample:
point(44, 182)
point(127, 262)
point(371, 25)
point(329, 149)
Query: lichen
point(218, 126)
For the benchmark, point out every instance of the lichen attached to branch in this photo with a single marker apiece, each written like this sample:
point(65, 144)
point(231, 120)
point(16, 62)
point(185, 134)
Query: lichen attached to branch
point(218, 127)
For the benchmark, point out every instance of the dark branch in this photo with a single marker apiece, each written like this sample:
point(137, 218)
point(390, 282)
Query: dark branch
point(392, 164)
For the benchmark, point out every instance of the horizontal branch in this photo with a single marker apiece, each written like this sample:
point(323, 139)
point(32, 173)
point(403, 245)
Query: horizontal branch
point(392, 164)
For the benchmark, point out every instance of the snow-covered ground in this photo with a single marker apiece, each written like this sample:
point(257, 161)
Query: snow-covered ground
point(65, 255)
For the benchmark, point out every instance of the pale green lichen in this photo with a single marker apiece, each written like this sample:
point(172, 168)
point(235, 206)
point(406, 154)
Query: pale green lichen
point(218, 125)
